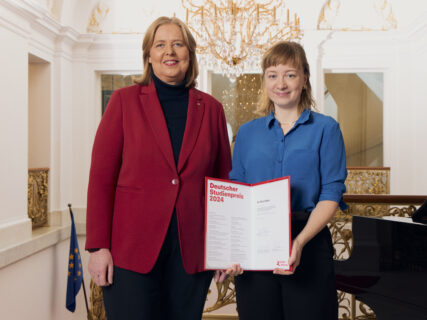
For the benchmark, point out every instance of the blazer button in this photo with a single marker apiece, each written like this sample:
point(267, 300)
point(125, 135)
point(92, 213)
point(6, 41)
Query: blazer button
point(175, 181)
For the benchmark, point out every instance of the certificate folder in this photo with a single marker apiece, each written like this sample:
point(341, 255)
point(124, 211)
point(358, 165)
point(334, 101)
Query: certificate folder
point(248, 224)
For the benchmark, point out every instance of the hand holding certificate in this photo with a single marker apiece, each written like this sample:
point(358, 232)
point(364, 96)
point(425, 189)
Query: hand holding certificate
point(248, 224)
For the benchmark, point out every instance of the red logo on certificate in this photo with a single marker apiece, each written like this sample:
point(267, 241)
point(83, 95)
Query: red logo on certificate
point(282, 264)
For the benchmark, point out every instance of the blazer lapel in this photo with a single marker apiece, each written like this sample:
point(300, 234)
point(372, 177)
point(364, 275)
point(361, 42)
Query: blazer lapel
point(196, 108)
point(154, 116)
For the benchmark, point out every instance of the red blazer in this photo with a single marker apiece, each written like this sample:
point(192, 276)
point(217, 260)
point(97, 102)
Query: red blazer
point(134, 184)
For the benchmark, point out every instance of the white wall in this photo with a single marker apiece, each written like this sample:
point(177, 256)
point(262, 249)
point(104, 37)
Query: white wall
point(61, 175)
point(410, 132)
point(35, 287)
point(13, 137)
point(39, 96)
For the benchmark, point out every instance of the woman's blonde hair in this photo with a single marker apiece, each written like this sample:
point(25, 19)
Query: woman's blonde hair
point(147, 43)
point(286, 52)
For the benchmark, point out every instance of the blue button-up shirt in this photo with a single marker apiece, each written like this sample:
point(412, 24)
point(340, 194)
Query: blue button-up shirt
point(312, 153)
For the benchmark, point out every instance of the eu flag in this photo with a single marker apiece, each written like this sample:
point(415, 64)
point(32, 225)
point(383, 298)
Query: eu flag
point(75, 269)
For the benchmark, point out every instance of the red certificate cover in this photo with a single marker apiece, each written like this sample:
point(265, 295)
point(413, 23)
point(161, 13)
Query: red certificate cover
point(249, 224)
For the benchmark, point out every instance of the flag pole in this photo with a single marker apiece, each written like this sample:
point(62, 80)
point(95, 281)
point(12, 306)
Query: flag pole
point(83, 280)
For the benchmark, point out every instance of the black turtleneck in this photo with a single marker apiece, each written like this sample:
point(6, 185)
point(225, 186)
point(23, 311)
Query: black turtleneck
point(174, 102)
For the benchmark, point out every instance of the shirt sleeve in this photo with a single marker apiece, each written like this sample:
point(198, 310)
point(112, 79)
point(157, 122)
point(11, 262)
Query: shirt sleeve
point(333, 171)
point(237, 172)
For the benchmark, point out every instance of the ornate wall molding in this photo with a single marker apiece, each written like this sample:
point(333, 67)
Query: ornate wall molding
point(368, 180)
point(38, 196)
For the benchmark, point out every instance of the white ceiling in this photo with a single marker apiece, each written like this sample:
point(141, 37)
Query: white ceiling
point(135, 15)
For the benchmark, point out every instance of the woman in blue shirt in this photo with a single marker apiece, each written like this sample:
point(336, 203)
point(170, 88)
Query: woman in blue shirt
point(293, 140)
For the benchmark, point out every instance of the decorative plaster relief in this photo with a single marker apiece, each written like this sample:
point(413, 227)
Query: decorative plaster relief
point(366, 15)
point(98, 16)
point(54, 8)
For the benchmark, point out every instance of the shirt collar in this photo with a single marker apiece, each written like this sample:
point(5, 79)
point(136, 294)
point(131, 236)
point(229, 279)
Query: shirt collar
point(303, 118)
point(269, 120)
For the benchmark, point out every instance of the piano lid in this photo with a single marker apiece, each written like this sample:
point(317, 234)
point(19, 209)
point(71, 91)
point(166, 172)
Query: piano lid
point(420, 215)
point(387, 269)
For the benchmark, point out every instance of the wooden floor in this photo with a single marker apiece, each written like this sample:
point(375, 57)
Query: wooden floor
point(219, 317)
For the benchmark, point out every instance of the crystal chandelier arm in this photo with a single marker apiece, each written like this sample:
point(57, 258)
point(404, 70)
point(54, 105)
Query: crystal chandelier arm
point(231, 34)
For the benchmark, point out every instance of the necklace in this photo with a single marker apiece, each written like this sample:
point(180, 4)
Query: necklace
point(287, 123)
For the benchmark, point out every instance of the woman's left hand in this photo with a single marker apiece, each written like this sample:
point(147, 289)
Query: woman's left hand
point(294, 259)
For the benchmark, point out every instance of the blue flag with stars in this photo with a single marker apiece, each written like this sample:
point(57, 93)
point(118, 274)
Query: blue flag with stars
point(75, 269)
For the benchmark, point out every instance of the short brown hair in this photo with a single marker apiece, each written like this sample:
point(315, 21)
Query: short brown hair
point(286, 52)
point(147, 43)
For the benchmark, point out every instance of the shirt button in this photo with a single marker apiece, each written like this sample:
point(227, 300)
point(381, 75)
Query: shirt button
point(175, 182)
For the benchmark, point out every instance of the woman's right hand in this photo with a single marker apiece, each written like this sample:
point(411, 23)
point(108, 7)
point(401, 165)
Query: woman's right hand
point(101, 267)
point(221, 275)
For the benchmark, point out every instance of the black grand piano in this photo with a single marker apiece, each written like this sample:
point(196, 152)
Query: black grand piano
point(387, 269)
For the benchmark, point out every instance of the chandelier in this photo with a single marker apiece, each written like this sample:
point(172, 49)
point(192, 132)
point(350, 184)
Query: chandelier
point(232, 35)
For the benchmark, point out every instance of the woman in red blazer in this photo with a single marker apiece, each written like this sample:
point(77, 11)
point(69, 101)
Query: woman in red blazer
point(156, 143)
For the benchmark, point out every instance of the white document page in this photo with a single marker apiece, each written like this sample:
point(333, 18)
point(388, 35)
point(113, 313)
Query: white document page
point(270, 210)
point(227, 235)
point(247, 224)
